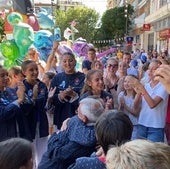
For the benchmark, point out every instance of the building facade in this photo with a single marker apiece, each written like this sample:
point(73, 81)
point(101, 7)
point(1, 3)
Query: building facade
point(159, 18)
point(151, 29)
point(62, 4)
point(151, 23)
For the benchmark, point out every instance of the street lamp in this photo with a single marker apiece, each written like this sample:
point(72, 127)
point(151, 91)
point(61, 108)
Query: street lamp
point(126, 16)
point(52, 10)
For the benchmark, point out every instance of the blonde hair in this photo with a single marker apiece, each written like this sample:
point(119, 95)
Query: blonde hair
point(113, 59)
point(139, 154)
point(15, 70)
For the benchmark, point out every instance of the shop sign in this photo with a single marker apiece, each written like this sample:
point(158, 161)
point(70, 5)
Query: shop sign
point(129, 39)
point(164, 33)
point(146, 27)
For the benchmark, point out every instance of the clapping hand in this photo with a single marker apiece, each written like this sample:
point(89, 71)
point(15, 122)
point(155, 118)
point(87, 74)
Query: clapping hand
point(122, 103)
point(70, 92)
point(62, 95)
point(35, 91)
point(51, 92)
point(137, 86)
point(21, 92)
point(109, 103)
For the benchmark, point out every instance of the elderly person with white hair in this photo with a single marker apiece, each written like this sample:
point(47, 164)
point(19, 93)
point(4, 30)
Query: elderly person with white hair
point(77, 140)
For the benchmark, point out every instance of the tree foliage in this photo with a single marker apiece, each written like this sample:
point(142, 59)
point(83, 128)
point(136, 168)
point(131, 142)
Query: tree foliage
point(87, 19)
point(114, 22)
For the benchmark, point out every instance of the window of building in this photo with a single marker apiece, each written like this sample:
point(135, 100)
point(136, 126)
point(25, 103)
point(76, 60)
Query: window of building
point(163, 2)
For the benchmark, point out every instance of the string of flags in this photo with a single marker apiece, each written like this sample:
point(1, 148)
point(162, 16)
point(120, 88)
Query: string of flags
point(111, 41)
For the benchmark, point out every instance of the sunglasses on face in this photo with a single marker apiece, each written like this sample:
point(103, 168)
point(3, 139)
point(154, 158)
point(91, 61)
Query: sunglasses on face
point(113, 66)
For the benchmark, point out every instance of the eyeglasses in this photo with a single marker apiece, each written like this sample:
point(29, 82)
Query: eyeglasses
point(113, 66)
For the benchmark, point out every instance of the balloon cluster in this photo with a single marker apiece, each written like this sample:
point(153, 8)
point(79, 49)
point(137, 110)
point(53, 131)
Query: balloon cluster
point(23, 36)
point(25, 27)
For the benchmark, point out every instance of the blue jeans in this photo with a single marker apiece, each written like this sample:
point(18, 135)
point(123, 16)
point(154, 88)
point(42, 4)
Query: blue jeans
point(135, 132)
point(150, 133)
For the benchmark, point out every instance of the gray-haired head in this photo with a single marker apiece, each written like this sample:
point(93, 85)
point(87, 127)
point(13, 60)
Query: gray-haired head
point(92, 108)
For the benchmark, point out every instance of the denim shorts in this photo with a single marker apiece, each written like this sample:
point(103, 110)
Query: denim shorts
point(150, 133)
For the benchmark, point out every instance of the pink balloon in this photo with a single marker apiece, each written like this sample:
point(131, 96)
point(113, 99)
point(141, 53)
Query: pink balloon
point(33, 22)
point(112, 50)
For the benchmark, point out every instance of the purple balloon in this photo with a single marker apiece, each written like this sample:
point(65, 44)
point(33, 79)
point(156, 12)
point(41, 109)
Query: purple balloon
point(81, 47)
point(64, 48)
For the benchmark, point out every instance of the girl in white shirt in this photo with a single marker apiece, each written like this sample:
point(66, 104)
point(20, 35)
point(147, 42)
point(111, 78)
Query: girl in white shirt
point(154, 106)
point(129, 103)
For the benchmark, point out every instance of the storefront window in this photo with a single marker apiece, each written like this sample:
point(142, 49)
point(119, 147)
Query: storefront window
point(163, 2)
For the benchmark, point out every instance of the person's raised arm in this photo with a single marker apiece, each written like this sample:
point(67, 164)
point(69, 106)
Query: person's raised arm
point(51, 56)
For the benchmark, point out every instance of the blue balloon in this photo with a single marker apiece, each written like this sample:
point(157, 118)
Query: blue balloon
point(45, 20)
point(43, 42)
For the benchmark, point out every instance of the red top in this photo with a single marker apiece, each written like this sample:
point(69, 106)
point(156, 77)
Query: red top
point(168, 112)
point(102, 159)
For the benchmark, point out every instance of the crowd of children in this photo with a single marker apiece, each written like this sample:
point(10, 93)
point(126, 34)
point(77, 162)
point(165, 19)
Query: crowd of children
point(36, 100)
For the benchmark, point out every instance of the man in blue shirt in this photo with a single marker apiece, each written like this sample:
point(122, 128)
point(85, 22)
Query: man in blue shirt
point(91, 57)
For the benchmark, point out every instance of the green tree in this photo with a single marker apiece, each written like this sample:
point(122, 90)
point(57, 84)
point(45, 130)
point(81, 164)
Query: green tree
point(87, 19)
point(114, 23)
